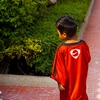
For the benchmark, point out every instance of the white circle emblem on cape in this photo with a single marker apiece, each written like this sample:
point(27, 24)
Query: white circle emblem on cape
point(75, 53)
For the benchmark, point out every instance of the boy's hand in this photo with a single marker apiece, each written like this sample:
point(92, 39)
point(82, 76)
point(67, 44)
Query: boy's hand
point(61, 87)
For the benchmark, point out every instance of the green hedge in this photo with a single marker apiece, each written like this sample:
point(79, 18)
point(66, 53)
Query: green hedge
point(17, 21)
point(28, 34)
point(45, 31)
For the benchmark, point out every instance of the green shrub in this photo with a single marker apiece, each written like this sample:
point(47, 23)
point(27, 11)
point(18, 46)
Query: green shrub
point(17, 19)
point(28, 49)
point(46, 32)
point(27, 29)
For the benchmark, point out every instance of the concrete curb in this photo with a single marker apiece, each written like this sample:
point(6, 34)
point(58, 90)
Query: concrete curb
point(84, 24)
point(23, 80)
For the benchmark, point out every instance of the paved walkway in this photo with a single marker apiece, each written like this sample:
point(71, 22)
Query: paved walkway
point(92, 37)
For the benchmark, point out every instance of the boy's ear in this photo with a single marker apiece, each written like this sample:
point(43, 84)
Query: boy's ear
point(65, 35)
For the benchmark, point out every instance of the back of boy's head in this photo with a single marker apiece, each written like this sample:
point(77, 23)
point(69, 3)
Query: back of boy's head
point(66, 24)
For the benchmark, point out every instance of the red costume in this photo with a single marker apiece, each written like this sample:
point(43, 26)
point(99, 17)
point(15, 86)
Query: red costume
point(70, 69)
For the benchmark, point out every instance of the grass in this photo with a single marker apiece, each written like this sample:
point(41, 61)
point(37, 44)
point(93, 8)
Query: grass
point(46, 32)
point(45, 26)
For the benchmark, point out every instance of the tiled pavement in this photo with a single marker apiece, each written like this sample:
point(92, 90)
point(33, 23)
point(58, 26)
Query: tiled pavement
point(29, 93)
point(92, 37)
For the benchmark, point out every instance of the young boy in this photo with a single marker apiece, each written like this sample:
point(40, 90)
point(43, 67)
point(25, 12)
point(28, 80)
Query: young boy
point(71, 60)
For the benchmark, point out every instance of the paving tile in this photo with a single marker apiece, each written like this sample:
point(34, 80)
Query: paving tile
point(92, 37)
point(29, 93)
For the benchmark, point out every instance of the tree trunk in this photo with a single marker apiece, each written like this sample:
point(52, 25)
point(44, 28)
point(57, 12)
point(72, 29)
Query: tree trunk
point(18, 65)
point(5, 65)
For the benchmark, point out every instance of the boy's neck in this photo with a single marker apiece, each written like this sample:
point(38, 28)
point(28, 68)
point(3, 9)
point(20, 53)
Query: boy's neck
point(72, 40)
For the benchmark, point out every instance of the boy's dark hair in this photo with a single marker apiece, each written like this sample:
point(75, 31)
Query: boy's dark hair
point(66, 24)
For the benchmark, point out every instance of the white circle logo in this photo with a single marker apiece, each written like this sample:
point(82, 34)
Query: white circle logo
point(75, 53)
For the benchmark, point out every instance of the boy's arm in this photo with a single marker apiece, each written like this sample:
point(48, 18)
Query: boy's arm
point(61, 87)
point(59, 72)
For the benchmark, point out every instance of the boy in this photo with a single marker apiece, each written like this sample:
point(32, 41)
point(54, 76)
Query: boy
point(71, 60)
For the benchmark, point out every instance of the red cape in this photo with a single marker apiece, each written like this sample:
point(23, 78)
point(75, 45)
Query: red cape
point(70, 69)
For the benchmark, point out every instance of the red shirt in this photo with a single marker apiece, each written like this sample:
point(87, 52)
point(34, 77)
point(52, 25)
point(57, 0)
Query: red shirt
point(70, 68)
